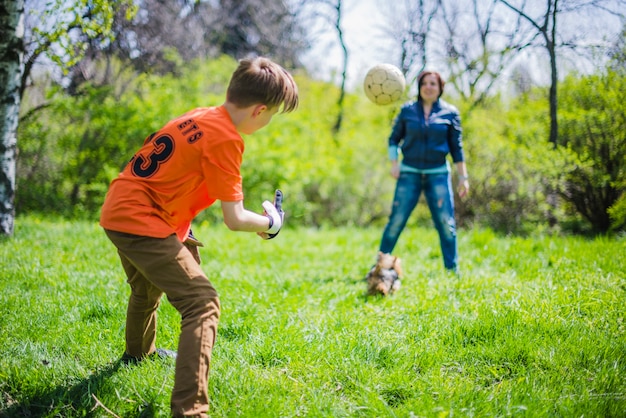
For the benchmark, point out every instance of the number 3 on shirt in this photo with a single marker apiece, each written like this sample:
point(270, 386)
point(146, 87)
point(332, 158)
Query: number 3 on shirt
point(146, 167)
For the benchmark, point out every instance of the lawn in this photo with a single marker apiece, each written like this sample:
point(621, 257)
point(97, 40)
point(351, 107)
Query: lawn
point(534, 327)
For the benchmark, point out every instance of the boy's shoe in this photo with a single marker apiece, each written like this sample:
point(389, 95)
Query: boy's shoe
point(160, 353)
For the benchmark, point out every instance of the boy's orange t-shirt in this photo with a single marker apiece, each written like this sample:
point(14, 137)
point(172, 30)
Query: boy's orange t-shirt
point(181, 170)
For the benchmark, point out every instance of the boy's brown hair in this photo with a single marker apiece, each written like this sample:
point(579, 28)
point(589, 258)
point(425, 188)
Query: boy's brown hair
point(261, 81)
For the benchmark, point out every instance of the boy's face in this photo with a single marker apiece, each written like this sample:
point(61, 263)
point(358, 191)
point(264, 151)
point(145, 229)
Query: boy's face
point(261, 116)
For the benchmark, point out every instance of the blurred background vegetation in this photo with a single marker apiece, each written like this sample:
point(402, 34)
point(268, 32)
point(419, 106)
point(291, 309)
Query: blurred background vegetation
point(78, 129)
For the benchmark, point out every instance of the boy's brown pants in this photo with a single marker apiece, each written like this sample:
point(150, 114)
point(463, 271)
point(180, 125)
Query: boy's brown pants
point(155, 266)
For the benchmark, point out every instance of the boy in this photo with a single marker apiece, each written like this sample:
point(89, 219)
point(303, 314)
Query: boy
point(181, 170)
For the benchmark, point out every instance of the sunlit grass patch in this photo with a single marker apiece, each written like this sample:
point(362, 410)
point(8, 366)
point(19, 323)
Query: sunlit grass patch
point(532, 327)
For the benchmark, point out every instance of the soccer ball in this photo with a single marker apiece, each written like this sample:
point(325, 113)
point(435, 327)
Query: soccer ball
point(384, 84)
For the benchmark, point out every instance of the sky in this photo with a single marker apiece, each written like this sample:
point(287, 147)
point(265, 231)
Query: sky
point(360, 25)
point(368, 45)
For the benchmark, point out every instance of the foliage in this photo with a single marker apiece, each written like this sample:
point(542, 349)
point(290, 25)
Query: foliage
point(507, 158)
point(535, 327)
point(189, 30)
point(617, 53)
point(73, 148)
point(617, 212)
point(593, 128)
point(326, 180)
point(60, 20)
point(516, 173)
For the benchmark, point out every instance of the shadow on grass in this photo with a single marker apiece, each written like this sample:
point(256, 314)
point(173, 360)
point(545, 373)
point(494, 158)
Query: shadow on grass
point(76, 400)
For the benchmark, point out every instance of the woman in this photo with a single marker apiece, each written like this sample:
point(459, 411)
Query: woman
point(426, 131)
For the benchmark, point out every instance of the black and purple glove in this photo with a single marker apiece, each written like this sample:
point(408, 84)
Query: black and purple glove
point(274, 211)
point(192, 245)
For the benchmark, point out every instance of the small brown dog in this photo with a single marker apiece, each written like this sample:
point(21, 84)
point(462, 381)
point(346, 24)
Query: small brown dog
point(384, 277)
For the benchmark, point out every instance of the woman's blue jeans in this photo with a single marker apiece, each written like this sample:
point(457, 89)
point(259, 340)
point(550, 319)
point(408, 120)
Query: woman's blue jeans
point(438, 192)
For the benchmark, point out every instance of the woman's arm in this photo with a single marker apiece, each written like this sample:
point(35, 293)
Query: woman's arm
point(461, 170)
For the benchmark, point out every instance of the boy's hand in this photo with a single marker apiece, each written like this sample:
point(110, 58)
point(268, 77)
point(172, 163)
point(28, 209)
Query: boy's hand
point(192, 245)
point(192, 240)
point(274, 211)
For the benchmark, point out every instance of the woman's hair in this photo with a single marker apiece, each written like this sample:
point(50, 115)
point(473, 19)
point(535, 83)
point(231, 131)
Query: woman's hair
point(423, 74)
point(261, 81)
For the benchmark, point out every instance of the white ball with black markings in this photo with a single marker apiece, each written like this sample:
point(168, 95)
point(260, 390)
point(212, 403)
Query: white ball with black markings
point(384, 84)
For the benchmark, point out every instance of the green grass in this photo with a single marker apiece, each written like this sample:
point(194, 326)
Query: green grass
point(534, 327)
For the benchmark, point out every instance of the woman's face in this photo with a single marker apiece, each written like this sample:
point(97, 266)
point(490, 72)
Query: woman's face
point(429, 88)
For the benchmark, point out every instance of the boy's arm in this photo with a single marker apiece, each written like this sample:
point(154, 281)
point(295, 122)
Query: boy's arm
point(238, 218)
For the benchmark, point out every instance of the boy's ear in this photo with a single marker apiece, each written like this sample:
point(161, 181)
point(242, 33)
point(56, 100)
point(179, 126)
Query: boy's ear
point(258, 109)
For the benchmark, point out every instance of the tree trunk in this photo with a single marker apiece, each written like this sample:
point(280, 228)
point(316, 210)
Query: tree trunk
point(554, 80)
point(11, 67)
point(344, 71)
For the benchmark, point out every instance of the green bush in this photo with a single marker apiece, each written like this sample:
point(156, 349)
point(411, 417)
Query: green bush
point(76, 145)
point(506, 151)
point(86, 140)
point(328, 180)
point(593, 128)
point(71, 149)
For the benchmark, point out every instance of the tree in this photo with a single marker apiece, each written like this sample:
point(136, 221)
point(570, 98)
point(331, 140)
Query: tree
point(324, 14)
point(337, 6)
point(58, 37)
point(11, 68)
point(470, 40)
point(617, 53)
point(594, 132)
point(545, 25)
point(205, 29)
point(547, 30)
point(261, 27)
point(411, 32)
point(479, 43)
